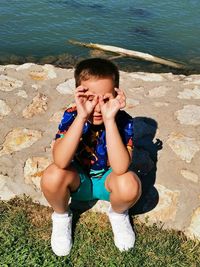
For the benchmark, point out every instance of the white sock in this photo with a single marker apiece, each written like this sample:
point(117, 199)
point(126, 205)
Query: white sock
point(111, 211)
point(60, 215)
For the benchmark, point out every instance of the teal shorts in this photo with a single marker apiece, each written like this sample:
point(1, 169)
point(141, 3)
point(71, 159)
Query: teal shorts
point(90, 188)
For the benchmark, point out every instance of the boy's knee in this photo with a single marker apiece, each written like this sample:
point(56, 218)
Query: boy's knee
point(52, 178)
point(129, 187)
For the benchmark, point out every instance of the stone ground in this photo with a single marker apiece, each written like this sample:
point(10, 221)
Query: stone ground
point(33, 98)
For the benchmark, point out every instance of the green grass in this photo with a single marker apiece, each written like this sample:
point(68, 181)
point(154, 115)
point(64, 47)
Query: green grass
point(25, 229)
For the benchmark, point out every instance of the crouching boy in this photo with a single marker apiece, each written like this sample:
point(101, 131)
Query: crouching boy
point(92, 153)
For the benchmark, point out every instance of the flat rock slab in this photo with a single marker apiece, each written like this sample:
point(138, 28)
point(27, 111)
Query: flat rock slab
point(4, 109)
point(8, 84)
point(189, 115)
point(185, 147)
point(37, 106)
point(166, 113)
point(19, 139)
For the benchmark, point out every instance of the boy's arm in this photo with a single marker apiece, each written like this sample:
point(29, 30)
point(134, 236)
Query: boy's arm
point(65, 148)
point(118, 155)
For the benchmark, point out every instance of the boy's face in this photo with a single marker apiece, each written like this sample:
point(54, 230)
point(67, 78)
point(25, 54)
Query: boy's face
point(99, 86)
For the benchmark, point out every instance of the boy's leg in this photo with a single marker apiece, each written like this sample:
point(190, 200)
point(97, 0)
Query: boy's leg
point(56, 185)
point(124, 190)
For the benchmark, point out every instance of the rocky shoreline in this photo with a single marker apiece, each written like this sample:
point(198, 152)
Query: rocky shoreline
point(127, 64)
point(33, 98)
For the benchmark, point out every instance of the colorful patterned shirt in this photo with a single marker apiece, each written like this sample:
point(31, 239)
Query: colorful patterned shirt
point(92, 152)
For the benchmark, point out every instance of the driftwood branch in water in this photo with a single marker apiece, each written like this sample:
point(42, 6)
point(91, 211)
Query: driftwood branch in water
point(130, 53)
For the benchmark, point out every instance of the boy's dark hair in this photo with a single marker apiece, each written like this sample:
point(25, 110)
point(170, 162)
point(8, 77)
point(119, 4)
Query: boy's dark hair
point(96, 67)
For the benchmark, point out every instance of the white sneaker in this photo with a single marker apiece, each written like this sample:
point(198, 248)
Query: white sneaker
point(61, 237)
point(124, 236)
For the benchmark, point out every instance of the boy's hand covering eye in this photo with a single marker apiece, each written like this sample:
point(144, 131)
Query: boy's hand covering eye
point(85, 101)
point(121, 97)
point(110, 105)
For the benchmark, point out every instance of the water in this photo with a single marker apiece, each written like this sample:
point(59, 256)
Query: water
point(39, 28)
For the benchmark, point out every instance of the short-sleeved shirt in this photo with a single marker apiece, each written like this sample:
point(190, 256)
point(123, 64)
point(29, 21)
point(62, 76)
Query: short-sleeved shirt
point(91, 153)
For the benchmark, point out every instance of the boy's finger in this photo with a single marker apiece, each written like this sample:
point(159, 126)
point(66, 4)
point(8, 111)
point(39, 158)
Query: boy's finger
point(121, 100)
point(87, 93)
point(122, 103)
point(101, 102)
point(80, 94)
point(121, 97)
point(81, 89)
point(119, 91)
point(95, 100)
point(108, 96)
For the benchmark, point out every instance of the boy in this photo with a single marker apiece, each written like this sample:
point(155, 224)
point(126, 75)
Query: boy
point(92, 153)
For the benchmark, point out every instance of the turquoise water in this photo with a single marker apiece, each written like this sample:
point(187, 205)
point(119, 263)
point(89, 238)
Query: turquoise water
point(39, 28)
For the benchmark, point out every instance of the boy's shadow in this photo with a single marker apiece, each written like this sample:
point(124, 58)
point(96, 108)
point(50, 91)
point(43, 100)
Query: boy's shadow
point(143, 164)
